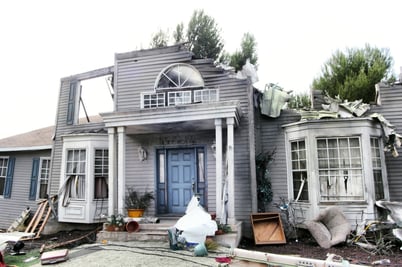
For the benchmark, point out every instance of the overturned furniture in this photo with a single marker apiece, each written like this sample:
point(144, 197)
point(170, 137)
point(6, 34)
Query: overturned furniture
point(267, 228)
point(330, 227)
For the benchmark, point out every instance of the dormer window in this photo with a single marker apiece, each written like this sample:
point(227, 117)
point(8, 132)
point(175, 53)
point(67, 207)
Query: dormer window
point(179, 76)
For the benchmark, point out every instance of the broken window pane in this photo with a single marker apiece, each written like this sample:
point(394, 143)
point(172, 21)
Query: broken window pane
point(340, 169)
point(76, 161)
point(299, 170)
point(377, 172)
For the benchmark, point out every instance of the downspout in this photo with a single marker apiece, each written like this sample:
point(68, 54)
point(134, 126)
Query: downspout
point(251, 138)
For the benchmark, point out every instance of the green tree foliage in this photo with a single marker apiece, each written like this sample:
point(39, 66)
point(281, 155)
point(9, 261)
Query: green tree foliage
point(264, 188)
point(178, 34)
point(300, 101)
point(159, 39)
point(204, 36)
point(248, 51)
point(353, 74)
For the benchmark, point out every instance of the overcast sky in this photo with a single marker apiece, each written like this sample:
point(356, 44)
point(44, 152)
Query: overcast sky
point(43, 41)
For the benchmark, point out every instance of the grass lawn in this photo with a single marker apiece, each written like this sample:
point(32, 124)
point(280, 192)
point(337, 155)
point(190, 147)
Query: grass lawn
point(32, 257)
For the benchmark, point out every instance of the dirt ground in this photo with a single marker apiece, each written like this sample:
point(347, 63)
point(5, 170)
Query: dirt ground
point(304, 247)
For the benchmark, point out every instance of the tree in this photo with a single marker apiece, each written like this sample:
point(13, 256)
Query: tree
point(248, 51)
point(178, 34)
point(159, 39)
point(300, 101)
point(353, 74)
point(204, 36)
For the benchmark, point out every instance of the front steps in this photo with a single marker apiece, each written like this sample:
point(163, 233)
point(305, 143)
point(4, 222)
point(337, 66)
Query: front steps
point(146, 232)
point(159, 232)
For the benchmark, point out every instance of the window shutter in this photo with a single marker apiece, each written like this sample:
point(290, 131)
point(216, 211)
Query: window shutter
point(34, 179)
point(71, 102)
point(9, 178)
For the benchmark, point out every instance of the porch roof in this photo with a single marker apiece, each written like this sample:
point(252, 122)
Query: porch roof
point(192, 117)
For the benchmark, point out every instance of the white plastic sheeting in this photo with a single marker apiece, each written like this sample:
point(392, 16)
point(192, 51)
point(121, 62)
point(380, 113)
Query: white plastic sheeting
point(196, 224)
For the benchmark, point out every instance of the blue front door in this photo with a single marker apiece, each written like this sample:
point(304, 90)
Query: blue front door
point(181, 178)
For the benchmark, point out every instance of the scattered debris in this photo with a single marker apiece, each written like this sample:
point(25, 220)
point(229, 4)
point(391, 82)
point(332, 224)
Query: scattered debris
point(56, 245)
point(40, 218)
point(19, 222)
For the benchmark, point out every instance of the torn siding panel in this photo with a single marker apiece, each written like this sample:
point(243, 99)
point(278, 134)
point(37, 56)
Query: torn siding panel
point(390, 108)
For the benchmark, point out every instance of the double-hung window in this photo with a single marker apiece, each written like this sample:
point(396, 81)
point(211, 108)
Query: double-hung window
point(377, 169)
point(299, 170)
point(101, 173)
point(3, 174)
point(43, 177)
point(76, 173)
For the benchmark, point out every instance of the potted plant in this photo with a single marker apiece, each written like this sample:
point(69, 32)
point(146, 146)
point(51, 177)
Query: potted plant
point(115, 223)
point(137, 202)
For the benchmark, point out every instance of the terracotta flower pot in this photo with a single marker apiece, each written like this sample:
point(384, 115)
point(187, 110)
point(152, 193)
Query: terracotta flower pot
point(132, 226)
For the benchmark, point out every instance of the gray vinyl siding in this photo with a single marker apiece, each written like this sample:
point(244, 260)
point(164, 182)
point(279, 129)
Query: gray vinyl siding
point(138, 76)
point(62, 128)
point(12, 207)
point(136, 73)
point(272, 137)
point(390, 108)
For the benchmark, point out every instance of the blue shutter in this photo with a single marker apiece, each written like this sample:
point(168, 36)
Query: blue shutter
point(71, 102)
point(34, 179)
point(9, 178)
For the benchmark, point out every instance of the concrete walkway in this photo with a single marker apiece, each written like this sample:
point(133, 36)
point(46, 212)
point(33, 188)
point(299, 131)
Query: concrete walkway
point(136, 253)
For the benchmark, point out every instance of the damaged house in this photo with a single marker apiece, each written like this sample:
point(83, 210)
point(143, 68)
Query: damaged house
point(181, 126)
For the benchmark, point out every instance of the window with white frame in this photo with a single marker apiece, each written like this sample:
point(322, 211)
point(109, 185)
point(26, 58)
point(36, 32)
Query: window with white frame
point(179, 76)
point(206, 95)
point(3, 174)
point(101, 173)
point(76, 173)
point(152, 100)
point(377, 169)
point(43, 178)
point(179, 98)
point(340, 169)
point(299, 170)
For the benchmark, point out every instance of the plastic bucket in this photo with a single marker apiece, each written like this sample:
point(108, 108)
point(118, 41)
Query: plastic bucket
point(200, 250)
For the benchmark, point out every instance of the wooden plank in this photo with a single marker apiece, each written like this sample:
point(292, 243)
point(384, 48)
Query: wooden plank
point(37, 218)
point(31, 223)
point(49, 210)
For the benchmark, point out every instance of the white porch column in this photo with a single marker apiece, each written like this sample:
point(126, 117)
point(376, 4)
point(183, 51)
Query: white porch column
point(230, 170)
point(112, 204)
point(218, 163)
point(121, 175)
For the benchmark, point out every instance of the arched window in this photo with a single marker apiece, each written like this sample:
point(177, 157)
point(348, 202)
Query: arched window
point(179, 76)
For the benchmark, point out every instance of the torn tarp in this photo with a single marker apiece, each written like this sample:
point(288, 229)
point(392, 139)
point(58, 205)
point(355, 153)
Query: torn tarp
point(273, 99)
